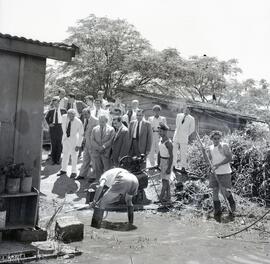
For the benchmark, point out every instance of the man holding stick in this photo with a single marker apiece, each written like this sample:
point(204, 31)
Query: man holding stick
point(220, 156)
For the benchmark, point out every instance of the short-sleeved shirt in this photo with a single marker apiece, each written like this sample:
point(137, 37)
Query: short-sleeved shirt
point(120, 181)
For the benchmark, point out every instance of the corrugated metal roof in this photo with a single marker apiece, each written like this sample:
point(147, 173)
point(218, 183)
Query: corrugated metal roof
point(41, 43)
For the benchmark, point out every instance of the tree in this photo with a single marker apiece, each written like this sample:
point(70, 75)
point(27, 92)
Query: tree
point(106, 48)
point(206, 77)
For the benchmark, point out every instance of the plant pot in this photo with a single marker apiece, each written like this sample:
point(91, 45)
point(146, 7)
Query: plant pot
point(13, 185)
point(2, 183)
point(26, 184)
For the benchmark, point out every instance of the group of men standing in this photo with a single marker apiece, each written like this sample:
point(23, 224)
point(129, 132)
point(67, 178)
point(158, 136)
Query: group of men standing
point(106, 134)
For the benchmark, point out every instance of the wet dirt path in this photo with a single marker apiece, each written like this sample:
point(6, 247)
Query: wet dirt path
point(158, 237)
point(161, 238)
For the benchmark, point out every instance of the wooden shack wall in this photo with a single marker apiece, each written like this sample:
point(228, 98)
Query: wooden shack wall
point(22, 81)
point(206, 121)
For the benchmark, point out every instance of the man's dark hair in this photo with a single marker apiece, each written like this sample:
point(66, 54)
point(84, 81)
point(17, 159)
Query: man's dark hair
point(118, 118)
point(215, 133)
point(89, 97)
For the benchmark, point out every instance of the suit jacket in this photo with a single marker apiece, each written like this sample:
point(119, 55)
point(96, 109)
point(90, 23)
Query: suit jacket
point(145, 135)
point(50, 115)
point(76, 132)
point(97, 141)
point(121, 144)
point(183, 131)
point(92, 122)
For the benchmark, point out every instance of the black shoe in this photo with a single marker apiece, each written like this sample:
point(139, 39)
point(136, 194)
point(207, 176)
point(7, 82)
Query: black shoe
point(232, 203)
point(217, 211)
point(60, 173)
point(73, 175)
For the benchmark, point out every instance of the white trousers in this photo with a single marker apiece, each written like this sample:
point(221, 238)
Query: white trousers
point(69, 145)
point(183, 149)
point(154, 149)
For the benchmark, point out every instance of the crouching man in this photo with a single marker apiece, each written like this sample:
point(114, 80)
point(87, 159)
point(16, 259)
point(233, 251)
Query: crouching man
point(120, 183)
point(221, 156)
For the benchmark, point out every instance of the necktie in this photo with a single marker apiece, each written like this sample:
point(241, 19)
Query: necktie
point(86, 124)
point(56, 116)
point(96, 113)
point(101, 132)
point(138, 130)
point(184, 119)
point(68, 106)
point(68, 129)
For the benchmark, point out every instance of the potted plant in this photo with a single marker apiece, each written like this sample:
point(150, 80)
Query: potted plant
point(2, 180)
point(26, 181)
point(14, 173)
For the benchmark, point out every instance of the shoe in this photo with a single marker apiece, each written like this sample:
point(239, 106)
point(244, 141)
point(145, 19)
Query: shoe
point(232, 203)
point(80, 177)
point(217, 211)
point(60, 173)
point(73, 175)
point(97, 218)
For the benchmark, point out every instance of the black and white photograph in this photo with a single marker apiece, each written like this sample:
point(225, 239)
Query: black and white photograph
point(135, 132)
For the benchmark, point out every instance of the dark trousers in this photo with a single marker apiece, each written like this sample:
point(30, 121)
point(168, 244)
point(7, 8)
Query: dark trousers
point(56, 134)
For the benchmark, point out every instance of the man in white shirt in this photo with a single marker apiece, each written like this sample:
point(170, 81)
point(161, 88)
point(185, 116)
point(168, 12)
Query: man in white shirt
point(185, 126)
point(155, 121)
point(72, 140)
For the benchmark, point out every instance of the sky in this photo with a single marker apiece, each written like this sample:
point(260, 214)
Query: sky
point(222, 28)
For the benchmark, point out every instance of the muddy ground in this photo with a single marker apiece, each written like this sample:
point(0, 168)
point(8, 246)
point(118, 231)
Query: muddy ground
point(177, 236)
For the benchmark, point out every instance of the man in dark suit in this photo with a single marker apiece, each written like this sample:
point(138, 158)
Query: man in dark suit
point(54, 120)
point(140, 133)
point(77, 105)
point(121, 142)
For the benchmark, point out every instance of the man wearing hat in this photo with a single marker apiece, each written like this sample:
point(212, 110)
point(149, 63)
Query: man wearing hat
point(54, 120)
point(155, 120)
point(165, 159)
